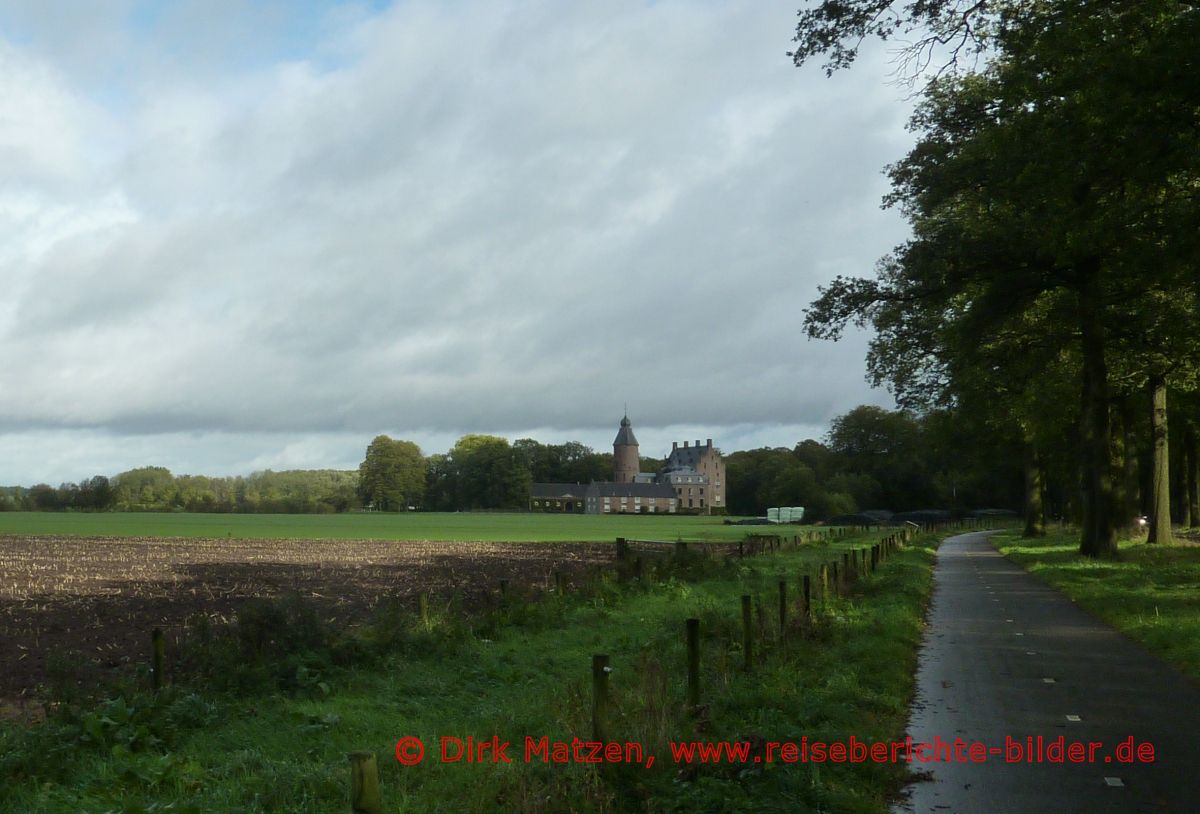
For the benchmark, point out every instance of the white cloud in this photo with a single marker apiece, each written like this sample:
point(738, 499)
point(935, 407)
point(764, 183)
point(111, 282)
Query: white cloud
point(434, 219)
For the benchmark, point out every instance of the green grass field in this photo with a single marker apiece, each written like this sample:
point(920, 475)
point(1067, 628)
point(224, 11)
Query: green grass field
point(1150, 592)
point(196, 751)
point(515, 528)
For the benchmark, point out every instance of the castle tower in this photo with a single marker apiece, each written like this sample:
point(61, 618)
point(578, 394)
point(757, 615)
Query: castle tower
point(626, 463)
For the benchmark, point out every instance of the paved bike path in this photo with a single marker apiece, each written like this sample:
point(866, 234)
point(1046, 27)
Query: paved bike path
point(1005, 655)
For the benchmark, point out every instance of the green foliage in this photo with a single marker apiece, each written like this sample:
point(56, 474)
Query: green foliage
point(181, 751)
point(1051, 197)
point(945, 30)
point(155, 489)
point(879, 459)
point(145, 489)
point(273, 645)
point(392, 476)
point(482, 472)
point(571, 462)
point(904, 469)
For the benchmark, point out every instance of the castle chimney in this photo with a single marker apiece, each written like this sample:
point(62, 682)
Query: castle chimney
point(674, 445)
point(685, 446)
point(710, 443)
point(697, 442)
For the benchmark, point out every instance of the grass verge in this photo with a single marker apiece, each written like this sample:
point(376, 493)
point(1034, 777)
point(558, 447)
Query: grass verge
point(1148, 593)
point(522, 671)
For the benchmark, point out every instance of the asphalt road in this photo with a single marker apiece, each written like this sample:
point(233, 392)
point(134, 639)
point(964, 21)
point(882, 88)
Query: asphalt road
point(1007, 658)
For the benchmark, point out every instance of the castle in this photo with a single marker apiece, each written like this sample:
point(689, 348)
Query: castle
point(691, 482)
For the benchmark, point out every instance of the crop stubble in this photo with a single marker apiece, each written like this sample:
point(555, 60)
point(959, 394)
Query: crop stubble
point(96, 599)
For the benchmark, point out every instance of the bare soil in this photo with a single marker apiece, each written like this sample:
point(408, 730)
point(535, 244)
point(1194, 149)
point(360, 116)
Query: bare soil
point(94, 601)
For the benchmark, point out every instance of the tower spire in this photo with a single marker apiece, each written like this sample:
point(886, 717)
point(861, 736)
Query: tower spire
point(625, 453)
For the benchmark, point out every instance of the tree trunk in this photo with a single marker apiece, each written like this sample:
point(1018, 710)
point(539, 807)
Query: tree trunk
point(1035, 516)
point(1130, 473)
point(1179, 490)
point(1193, 473)
point(1120, 454)
point(1160, 500)
point(1099, 535)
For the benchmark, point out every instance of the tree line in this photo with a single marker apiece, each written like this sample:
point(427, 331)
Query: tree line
point(156, 489)
point(879, 459)
point(871, 459)
point(1050, 288)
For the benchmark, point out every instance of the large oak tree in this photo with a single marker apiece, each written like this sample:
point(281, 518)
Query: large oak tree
point(1051, 196)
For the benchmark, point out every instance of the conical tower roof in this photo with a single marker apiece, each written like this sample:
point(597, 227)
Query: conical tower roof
point(625, 435)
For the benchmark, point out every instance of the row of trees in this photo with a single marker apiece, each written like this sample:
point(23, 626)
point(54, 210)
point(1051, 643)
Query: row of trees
point(872, 458)
point(879, 459)
point(1050, 289)
point(479, 472)
point(155, 489)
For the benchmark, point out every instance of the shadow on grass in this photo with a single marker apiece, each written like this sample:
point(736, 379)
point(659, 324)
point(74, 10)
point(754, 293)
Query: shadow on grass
point(1149, 593)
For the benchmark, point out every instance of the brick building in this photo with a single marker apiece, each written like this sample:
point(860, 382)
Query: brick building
point(697, 474)
point(557, 497)
point(692, 481)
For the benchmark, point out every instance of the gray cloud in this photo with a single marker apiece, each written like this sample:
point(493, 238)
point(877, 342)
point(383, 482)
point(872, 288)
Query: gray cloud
point(428, 220)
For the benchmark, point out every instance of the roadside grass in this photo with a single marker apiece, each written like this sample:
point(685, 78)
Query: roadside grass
point(433, 526)
point(524, 670)
point(1149, 593)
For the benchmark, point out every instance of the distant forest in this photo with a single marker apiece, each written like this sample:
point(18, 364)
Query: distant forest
point(871, 459)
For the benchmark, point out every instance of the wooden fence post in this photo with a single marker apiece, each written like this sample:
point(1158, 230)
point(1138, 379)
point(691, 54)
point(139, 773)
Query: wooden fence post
point(364, 784)
point(807, 597)
point(622, 549)
point(600, 671)
point(747, 631)
point(423, 609)
point(693, 664)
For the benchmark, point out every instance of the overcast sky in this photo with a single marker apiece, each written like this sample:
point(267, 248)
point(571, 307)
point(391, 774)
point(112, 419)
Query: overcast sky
point(241, 235)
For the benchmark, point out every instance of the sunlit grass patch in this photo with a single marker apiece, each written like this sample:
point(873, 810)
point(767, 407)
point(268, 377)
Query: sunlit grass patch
point(1150, 592)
